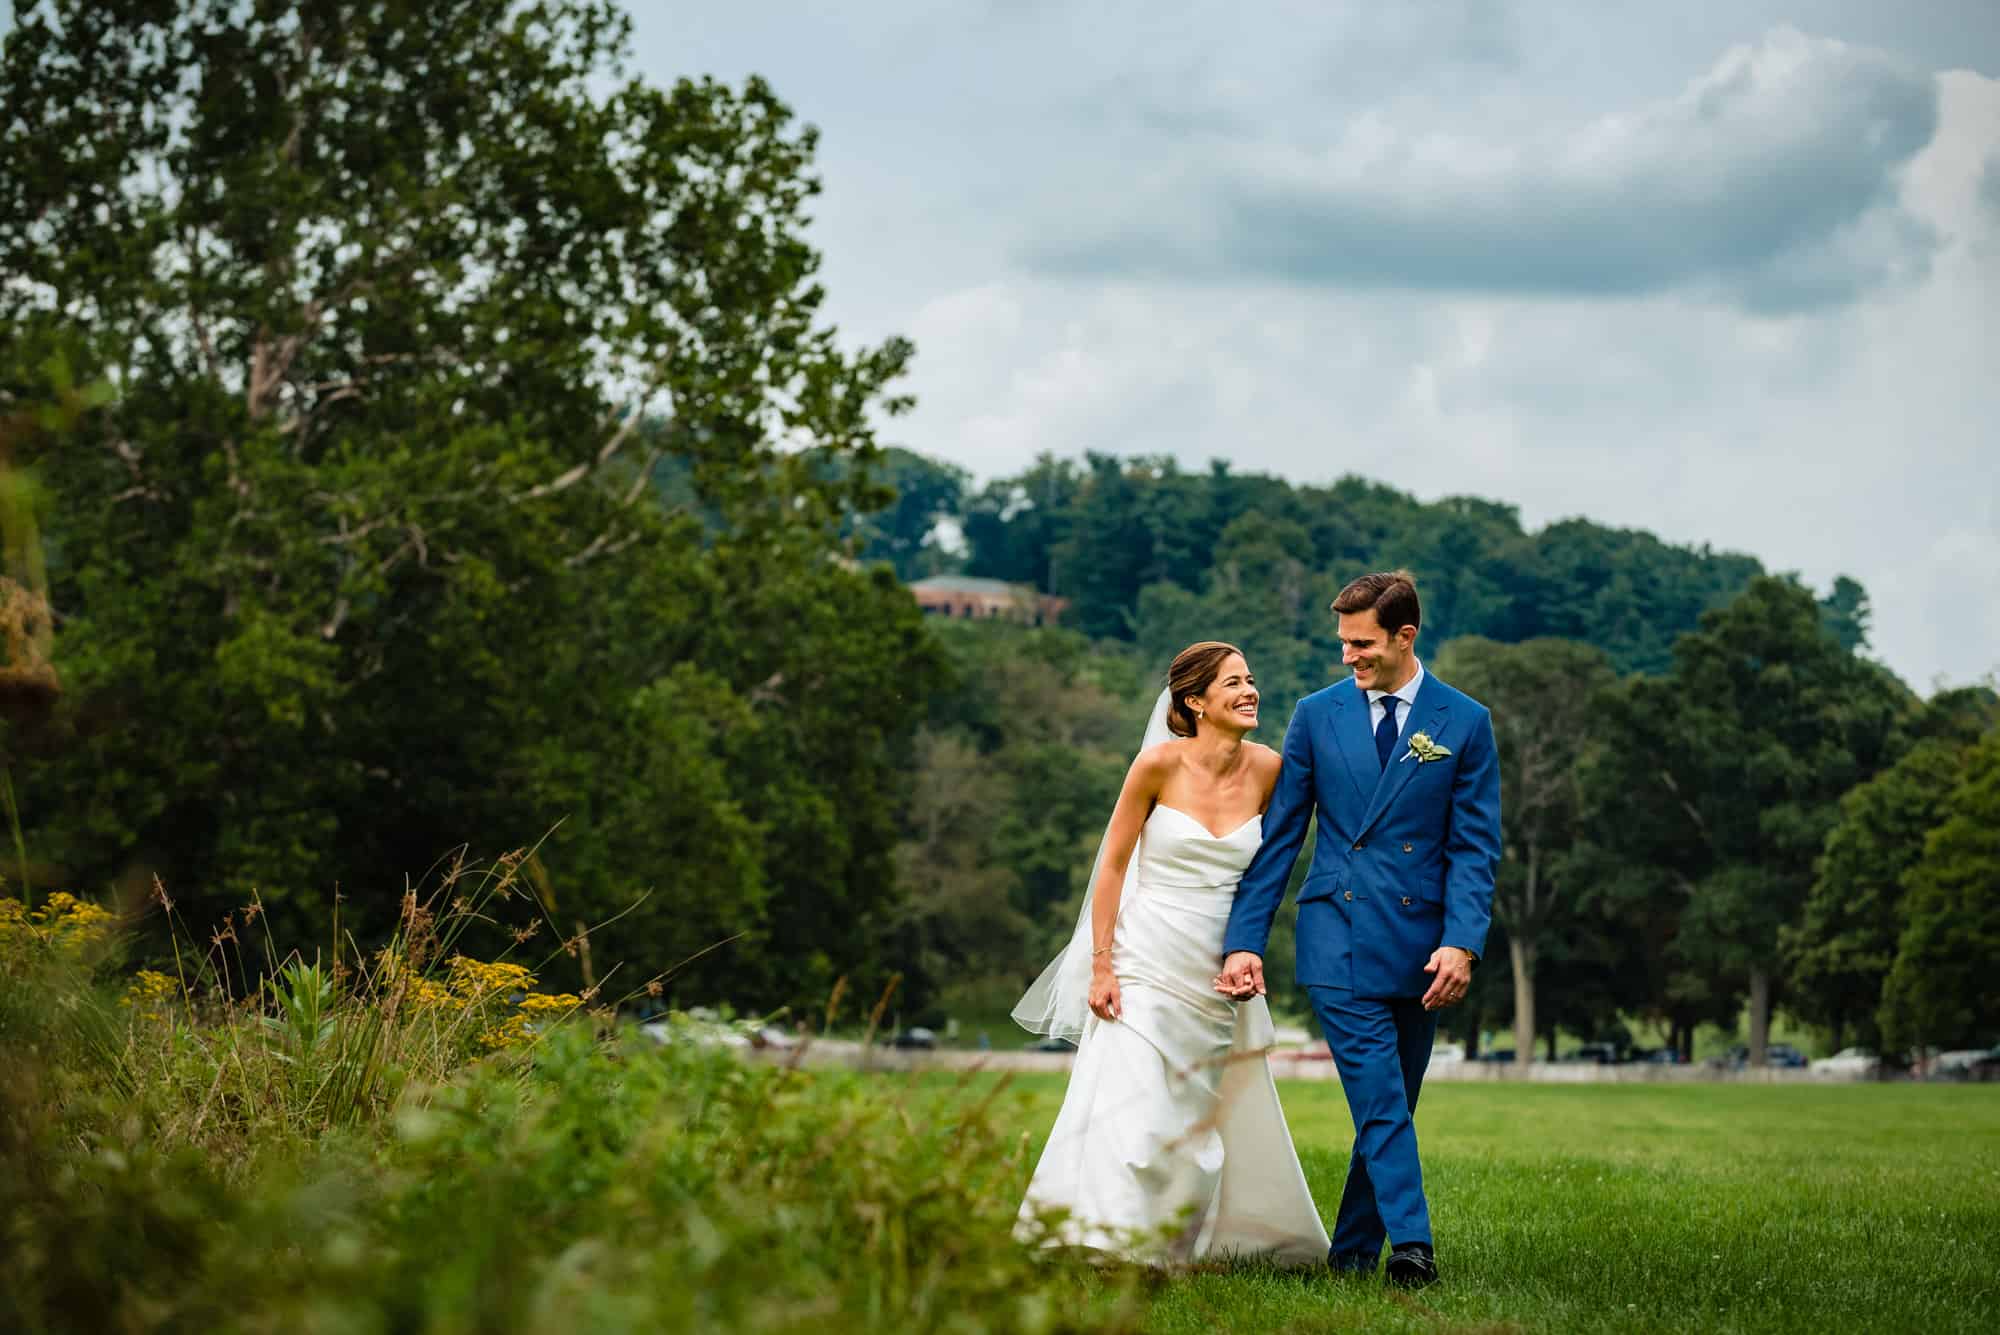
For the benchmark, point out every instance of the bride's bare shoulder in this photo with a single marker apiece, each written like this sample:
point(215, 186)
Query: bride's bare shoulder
point(1158, 760)
point(1151, 769)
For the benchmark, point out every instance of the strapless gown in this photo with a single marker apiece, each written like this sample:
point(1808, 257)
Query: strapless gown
point(1170, 1145)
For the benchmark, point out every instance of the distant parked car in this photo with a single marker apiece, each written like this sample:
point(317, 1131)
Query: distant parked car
point(1848, 1061)
point(1775, 1054)
point(1955, 1065)
point(1052, 1044)
point(1784, 1054)
point(916, 1037)
point(770, 1036)
point(1603, 1054)
point(1657, 1056)
point(1448, 1052)
point(1987, 1067)
point(691, 1027)
point(1497, 1055)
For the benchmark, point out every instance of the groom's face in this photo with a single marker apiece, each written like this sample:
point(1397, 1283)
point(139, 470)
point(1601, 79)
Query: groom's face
point(1381, 661)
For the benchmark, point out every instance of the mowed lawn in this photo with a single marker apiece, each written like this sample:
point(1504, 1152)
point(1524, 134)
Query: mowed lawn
point(1649, 1207)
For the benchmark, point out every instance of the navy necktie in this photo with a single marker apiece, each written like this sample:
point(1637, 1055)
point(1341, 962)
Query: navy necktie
point(1385, 731)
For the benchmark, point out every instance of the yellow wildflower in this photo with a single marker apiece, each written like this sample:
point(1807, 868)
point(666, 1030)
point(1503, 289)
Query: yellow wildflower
point(149, 994)
point(61, 922)
point(430, 995)
point(514, 1029)
point(473, 979)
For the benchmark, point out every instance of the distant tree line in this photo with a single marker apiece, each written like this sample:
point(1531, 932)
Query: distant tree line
point(1139, 545)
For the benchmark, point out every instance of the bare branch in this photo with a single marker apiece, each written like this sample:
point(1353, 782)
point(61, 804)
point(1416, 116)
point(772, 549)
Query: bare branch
point(605, 453)
point(271, 358)
point(336, 621)
point(209, 361)
point(129, 452)
point(565, 480)
point(639, 483)
point(601, 545)
point(1700, 825)
point(348, 536)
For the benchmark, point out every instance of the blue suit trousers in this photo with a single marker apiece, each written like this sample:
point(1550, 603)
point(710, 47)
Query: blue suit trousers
point(1381, 1047)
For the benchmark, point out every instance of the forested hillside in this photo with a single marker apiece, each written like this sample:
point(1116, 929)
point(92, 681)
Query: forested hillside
point(1145, 550)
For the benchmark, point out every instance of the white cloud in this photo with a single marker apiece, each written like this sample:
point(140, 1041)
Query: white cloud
point(1828, 443)
point(1770, 177)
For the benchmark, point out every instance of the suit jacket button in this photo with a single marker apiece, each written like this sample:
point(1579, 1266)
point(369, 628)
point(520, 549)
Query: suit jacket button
point(1406, 901)
point(1360, 844)
point(1348, 895)
point(1409, 848)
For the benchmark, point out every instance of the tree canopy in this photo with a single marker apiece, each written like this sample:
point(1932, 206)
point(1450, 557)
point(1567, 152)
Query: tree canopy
point(1131, 541)
point(1842, 947)
point(404, 306)
point(1941, 991)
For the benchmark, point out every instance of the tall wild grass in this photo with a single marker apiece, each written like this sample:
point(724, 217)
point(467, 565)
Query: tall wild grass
point(419, 1140)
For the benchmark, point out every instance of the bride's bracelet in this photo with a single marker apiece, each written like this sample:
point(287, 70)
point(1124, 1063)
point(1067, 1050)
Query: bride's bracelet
point(1102, 950)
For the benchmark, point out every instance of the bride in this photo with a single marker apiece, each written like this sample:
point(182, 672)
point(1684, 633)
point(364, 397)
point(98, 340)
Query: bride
point(1170, 1145)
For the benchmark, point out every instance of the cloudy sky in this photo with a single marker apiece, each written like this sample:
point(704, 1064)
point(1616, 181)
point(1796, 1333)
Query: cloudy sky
point(1724, 271)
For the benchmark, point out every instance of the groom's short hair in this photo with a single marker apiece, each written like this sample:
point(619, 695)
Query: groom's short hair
point(1391, 593)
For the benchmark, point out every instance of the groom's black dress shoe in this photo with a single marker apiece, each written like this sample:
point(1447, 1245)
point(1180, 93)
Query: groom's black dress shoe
point(1411, 1266)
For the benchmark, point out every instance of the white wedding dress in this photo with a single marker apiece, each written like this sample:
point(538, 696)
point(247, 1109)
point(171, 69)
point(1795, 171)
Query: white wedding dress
point(1171, 1146)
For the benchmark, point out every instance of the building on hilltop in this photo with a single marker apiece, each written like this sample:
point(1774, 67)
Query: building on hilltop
point(985, 599)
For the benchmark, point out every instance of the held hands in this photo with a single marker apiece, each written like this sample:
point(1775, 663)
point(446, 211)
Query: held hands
point(1242, 976)
point(1452, 968)
point(1104, 991)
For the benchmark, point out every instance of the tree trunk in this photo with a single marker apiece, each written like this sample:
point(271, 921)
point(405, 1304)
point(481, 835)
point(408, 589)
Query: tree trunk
point(1521, 950)
point(1760, 1014)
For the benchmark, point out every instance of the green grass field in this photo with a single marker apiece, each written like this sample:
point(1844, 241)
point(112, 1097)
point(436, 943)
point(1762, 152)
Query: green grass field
point(1637, 1208)
point(366, 1160)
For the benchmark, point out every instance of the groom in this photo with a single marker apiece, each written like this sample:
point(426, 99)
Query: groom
point(1402, 773)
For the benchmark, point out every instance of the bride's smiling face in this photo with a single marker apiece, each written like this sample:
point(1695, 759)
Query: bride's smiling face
point(1230, 702)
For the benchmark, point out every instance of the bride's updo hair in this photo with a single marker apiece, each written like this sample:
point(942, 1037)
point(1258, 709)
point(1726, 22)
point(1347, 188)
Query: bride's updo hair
point(1194, 670)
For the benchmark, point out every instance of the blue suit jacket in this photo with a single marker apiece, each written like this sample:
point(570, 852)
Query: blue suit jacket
point(1406, 855)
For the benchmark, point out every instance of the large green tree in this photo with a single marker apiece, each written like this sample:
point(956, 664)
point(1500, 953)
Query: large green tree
point(1839, 953)
point(1942, 991)
point(1543, 694)
point(405, 305)
point(1722, 780)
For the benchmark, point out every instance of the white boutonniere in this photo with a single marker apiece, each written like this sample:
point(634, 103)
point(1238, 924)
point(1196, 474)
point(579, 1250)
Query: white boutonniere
point(1424, 749)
